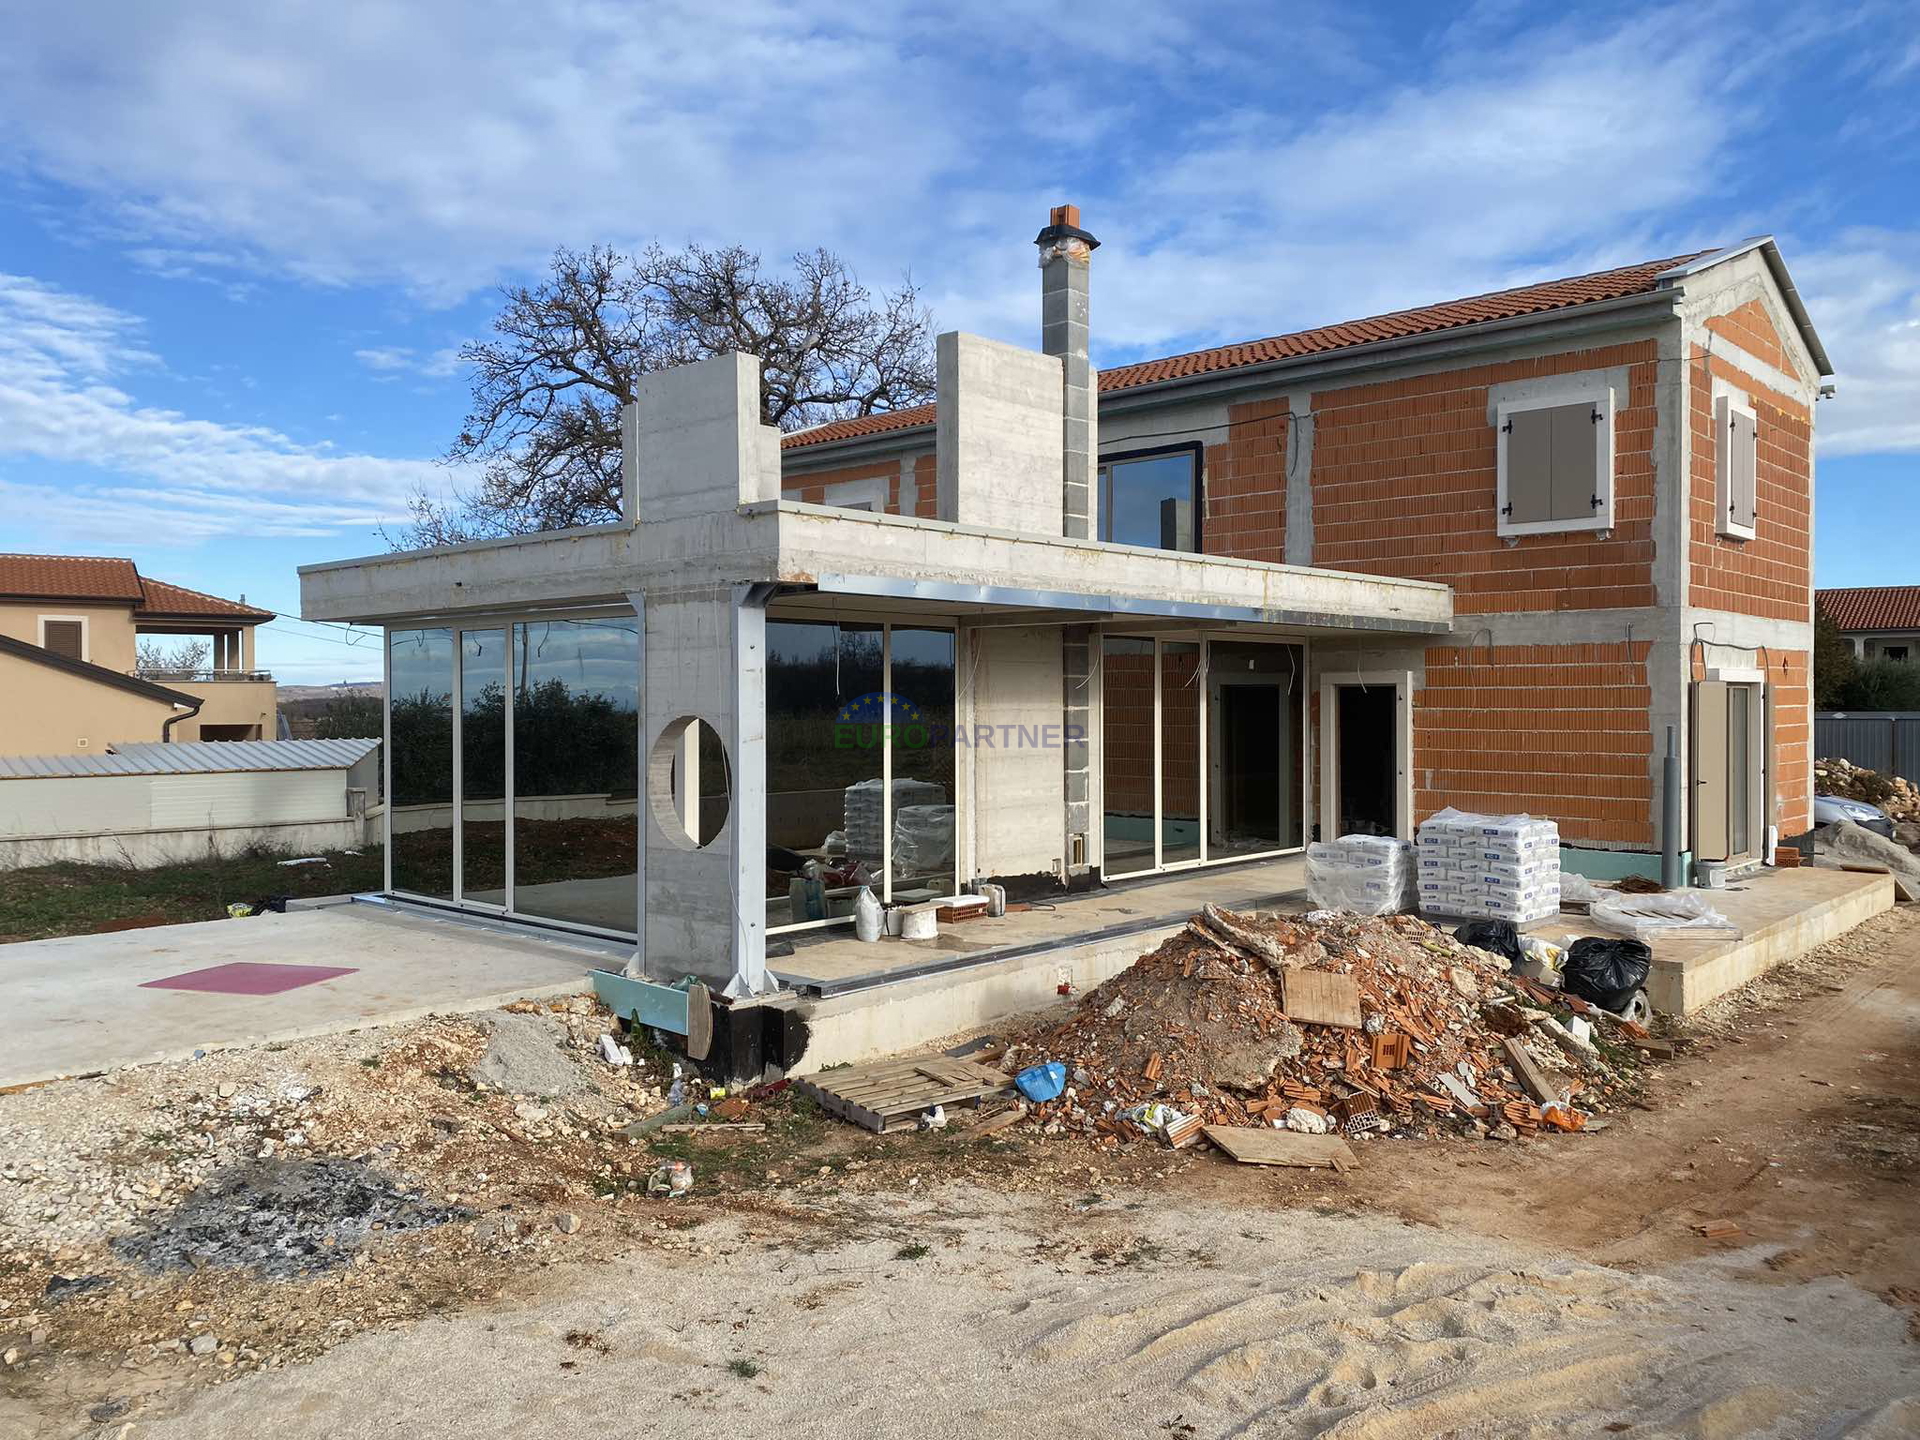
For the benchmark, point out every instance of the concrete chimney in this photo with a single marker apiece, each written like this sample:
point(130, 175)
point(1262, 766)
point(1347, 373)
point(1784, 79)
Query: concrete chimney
point(1065, 255)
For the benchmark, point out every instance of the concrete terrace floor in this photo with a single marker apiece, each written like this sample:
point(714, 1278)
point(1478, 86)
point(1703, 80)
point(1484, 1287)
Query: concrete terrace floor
point(77, 1005)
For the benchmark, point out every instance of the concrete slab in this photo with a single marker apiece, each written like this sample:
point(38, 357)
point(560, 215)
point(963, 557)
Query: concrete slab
point(84, 1003)
point(1782, 914)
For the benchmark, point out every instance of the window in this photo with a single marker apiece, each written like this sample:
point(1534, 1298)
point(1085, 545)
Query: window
point(1893, 652)
point(1736, 442)
point(64, 636)
point(1555, 467)
point(1152, 498)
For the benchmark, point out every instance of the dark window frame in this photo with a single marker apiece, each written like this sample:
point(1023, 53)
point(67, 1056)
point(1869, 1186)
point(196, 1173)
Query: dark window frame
point(1195, 448)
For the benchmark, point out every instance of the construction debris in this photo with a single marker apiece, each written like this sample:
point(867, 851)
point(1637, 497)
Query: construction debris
point(1229, 1023)
point(895, 1093)
point(1895, 794)
point(1282, 1147)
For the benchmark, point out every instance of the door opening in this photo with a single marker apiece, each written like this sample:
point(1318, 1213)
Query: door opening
point(1366, 746)
point(1730, 806)
point(1251, 716)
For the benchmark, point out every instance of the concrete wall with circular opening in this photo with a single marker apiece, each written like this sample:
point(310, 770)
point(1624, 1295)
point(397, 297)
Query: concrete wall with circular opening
point(689, 783)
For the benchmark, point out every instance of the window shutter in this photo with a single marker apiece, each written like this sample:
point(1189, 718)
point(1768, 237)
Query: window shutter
point(64, 637)
point(1529, 440)
point(1574, 455)
point(1745, 500)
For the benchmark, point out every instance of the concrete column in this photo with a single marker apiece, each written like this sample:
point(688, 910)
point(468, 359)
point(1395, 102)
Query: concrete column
point(692, 443)
point(1066, 252)
point(1076, 670)
point(997, 435)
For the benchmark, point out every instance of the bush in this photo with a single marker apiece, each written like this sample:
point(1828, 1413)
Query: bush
point(1879, 685)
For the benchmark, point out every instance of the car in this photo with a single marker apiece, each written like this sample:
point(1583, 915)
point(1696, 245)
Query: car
point(1831, 809)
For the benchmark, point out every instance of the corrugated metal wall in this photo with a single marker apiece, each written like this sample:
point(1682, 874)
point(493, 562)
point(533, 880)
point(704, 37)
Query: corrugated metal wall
point(1883, 740)
point(126, 804)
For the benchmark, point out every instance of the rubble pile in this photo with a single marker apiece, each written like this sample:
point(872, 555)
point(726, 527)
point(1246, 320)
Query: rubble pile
point(1198, 1032)
point(1895, 794)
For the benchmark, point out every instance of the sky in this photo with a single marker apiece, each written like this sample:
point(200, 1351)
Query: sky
point(241, 244)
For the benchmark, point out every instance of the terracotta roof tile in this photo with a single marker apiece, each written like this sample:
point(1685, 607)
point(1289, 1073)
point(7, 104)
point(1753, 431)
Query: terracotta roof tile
point(1522, 300)
point(1872, 607)
point(69, 577)
point(108, 577)
point(164, 599)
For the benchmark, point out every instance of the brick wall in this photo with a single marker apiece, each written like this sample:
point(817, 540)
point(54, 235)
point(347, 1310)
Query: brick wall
point(1126, 732)
point(1749, 327)
point(811, 488)
point(1556, 730)
point(1789, 673)
point(1404, 483)
point(1246, 484)
point(1771, 574)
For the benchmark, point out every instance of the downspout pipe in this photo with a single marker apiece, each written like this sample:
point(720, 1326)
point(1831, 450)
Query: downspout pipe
point(166, 730)
point(1670, 816)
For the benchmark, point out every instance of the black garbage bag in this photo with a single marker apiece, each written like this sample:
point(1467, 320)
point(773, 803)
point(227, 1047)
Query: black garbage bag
point(1605, 971)
point(1497, 937)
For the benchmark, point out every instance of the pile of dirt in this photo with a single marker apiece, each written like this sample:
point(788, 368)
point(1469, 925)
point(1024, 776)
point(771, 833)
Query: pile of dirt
point(1201, 1024)
point(1895, 794)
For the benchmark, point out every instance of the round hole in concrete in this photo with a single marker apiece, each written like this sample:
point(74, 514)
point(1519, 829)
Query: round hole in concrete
point(689, 783)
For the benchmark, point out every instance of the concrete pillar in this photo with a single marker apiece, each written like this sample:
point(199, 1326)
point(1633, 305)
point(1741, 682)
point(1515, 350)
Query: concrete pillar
point(1066, 253)
point(997, 435)
point(691, 443)
point(1076, 670)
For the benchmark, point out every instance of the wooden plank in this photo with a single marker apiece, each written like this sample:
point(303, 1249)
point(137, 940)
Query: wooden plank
point(1320, 997)
point(1282, 1147)
point(1528, 1072)
point(892, 1094)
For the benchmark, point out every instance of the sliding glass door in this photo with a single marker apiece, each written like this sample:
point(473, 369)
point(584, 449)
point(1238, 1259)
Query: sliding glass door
point(522, 798)
point(1203, 753)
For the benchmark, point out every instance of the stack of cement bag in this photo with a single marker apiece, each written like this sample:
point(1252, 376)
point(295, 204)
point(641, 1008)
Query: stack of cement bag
point(866, 826)
point(1500, 867)
point(1366, 874)
point(922, 840)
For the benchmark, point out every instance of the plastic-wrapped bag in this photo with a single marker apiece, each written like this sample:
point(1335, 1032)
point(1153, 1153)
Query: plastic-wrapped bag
point(1607, 972)
point(922, 839)
point(1579, 890)
point(1363, 874)
point(1645, 917)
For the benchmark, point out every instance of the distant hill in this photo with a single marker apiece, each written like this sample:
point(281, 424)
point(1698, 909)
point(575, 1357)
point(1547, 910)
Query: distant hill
point(330, 692)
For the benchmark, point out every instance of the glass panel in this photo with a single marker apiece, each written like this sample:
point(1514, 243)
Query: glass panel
point(576, 738)
point(483, 766)
point(1149, 501)
point(1739, 837)
point(825, 715)
point(421, 721)
point(1179, 751)
point(922, 734)
point(1255, 747)
point(1126, 754)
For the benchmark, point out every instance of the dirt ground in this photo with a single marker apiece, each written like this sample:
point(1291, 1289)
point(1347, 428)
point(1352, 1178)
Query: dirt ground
point(828, 1282)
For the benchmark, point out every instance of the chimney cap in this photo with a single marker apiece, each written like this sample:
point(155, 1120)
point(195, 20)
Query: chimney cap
point(1064, 224)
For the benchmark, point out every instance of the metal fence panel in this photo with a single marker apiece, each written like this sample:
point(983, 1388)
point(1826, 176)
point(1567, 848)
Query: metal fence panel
point(1883, 740)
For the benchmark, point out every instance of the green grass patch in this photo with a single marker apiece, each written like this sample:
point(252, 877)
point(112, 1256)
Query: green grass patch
point(915, 1251)
point(745, 1369)
point(75, 899)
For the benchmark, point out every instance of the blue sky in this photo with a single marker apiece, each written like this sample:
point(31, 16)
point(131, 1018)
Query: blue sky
point(239, 242)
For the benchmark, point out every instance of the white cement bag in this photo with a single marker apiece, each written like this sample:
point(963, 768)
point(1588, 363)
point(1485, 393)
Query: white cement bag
point(1362, 874)
point(1648, 917)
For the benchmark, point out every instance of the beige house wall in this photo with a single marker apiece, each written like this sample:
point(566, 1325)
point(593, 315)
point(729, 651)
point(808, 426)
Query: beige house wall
point(229, 702)
point(50, 712)
point(109, 627)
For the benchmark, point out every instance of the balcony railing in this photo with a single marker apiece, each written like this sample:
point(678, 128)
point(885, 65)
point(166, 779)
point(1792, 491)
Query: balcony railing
point(162, 675)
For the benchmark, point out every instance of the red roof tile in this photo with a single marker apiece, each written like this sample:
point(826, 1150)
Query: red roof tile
point(164, 599)
point(110, 578)
point(1534, 299)
point(1872, 607)
point(69, 577)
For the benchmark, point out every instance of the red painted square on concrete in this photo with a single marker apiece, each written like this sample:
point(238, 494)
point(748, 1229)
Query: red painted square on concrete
point(247, 977)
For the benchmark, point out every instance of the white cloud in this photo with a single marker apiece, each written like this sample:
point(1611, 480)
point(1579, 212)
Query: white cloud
point(1863, 292)
point(148, 474)
point(389, 362)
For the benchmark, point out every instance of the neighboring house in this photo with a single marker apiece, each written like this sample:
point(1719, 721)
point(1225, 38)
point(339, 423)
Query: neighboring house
point(1881, 622)
point(1493, 554)
point(70, 626)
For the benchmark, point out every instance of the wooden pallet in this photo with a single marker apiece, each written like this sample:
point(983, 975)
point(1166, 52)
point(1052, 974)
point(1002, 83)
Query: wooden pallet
point(892, 1094)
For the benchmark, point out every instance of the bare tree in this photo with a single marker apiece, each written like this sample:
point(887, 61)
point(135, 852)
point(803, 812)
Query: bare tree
point(185, 656)
point(568, 352)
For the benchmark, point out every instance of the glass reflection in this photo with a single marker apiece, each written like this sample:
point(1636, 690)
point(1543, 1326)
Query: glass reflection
point(420, 812)
point(1126, 750)
point(576, 737)
point(483, 766)
point(922, 859)
point(1179, 751)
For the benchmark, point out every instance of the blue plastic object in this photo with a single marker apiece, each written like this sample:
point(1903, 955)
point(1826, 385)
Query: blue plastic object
point(1041, 1083)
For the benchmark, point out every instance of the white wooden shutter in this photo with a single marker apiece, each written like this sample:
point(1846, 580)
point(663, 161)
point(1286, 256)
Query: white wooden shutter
point(1575, 462)
point(1529, 467)
point(1735, 489)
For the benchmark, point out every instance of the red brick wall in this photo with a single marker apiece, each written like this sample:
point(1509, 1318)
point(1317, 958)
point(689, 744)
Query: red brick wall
point(1126, 732)
point(1792, 739)
point(1558, 731)
point(1246, 485)
point(1404, 483)
point(1771, 574)
point(1750, 329)
point(811, 488)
